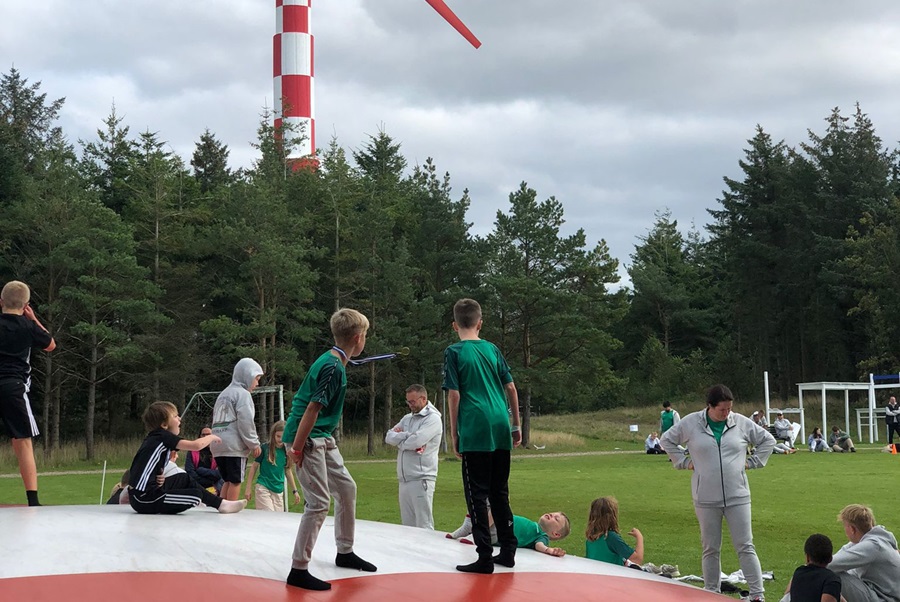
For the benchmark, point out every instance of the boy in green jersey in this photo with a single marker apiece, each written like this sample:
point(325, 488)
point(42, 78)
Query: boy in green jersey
point(315, 413)
point(479, 384)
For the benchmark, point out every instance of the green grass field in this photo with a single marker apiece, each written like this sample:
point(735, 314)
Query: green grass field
point(793, 496)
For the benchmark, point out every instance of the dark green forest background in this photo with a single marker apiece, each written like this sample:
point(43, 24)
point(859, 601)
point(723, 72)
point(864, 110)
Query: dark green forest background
point(155, 275)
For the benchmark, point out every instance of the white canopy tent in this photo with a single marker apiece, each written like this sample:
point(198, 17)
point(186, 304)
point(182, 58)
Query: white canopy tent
point(823, 387)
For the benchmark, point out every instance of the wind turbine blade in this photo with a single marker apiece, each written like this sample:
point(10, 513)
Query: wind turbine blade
point(441, 7)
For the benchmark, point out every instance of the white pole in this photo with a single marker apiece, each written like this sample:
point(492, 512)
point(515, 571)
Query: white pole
point(766, 386)
point(285, 497)
point(872, 433)
point(824, 426)
point(444, 436)
point(847, 410)
point(103, 483)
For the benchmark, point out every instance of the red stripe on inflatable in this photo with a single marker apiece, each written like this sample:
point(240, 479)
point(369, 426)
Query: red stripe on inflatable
point(440, 587)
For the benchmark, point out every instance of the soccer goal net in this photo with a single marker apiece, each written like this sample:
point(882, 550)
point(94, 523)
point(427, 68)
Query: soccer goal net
point(197, 414)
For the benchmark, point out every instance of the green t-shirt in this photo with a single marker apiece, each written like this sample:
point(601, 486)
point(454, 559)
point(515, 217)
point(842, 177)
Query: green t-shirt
point(528, 532)
point(325, 383)
point(666, 420)
point(717, 428)
point(609, 548)
point(271, 476)
point(477, 370)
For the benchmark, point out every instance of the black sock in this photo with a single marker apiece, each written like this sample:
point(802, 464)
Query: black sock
point(483, 566)
point(352, 561)
point(505, 559)
point(302, 578)
point(32, 498)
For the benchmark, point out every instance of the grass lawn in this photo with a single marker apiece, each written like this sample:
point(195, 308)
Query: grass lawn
point(793, 497)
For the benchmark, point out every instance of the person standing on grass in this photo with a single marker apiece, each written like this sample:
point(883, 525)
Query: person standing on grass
point(417, 438)
point(20, 332)
point(668, 417)
point(723, 446)
point(892, 418)
point(273, 465)
point(479, 384)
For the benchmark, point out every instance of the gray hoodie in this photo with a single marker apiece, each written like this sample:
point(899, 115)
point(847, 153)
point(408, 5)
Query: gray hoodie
point(874, 560)
point(419, 441)
point(720, 477)
point(234, 413)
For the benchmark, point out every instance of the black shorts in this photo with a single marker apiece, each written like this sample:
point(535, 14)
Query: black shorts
point(232, 469)
point(15, 409)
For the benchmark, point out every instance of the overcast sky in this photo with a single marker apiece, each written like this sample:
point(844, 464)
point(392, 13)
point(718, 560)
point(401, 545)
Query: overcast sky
point(618, 109)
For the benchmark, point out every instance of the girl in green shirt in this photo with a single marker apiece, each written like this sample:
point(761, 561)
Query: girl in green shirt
point(273, 465)
point(603, 540)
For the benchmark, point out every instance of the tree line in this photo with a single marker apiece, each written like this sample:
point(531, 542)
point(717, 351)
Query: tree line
point(156, 274)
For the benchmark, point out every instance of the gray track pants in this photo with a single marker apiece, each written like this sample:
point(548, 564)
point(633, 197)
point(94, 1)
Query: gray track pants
point(738, 518)
point(323, 476)
point(416, 501)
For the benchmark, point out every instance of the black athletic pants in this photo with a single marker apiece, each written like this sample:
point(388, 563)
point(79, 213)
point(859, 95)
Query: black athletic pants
point(893, 428)
point(178, 493)
point(486, 477)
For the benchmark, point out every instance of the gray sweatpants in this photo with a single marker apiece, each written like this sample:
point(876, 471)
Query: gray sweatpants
point(322, 476)
point(416, 501)
point(854, 589)
point(738, 518)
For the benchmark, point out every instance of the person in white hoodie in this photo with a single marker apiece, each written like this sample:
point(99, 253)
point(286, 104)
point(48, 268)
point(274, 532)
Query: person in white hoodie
point(720, 446)
point(418, 438)
point(869, 564)
point(234, 423)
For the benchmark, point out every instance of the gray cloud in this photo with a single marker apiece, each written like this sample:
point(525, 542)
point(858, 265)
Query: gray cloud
point(618, 109)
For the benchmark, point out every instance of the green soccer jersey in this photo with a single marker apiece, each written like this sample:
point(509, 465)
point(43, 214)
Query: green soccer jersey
point(528, 533)
point(325, 383)
point(271, 476)
point(477, 370)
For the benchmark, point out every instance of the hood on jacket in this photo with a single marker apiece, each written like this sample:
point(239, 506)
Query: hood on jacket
point(245, 371)
point(881, 534)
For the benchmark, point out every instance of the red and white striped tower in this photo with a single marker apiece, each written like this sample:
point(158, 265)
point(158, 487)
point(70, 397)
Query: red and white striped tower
point(293, 69)
point(293, 73)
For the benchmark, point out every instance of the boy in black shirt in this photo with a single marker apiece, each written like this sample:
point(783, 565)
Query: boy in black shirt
point(20, 332)
point(148, 491)
point(814, 582)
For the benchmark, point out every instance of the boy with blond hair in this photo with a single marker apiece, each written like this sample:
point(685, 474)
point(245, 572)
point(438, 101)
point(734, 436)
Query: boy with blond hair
point(20, 332)
point(535, 535)
point(479, 385)
point(868, 565)
point(315, 413)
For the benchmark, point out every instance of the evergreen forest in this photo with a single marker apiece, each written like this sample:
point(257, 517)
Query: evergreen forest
point(156, 272)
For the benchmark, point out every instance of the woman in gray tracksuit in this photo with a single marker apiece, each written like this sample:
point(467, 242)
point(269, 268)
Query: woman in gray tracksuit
point(714, 443)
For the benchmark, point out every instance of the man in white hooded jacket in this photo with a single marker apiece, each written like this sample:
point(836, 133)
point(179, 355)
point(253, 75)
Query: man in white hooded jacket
point(418, 438)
